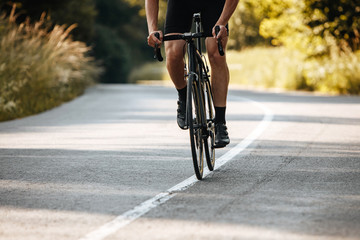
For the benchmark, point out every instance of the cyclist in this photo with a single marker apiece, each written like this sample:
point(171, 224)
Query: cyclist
point(178, 20)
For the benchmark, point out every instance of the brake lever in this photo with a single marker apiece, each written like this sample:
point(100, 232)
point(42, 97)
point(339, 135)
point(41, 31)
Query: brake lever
point(157, 50)
point(220, 47)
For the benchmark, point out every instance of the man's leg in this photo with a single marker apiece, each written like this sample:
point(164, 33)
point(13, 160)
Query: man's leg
point(220, 82)
point(175, 65)
point(219, 72)
point(175, 62)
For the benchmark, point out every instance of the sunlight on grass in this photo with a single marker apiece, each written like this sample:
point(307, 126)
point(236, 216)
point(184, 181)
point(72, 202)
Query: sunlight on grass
point(153, 71)
point(265, 67)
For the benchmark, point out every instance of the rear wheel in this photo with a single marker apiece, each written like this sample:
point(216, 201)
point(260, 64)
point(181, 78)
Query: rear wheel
point(195, 126)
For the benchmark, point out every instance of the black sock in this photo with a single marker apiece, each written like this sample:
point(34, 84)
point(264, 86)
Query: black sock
point(182, 93)
point(220, 114)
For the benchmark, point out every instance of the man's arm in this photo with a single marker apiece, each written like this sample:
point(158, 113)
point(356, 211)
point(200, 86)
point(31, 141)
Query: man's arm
point(152, 12)
point(229, 8)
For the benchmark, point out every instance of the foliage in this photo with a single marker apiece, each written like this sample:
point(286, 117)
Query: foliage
point(119, 39)
point(340, 19)
point(327, 32)
point(96, 20)
point(141, 4)
point(244, 25)
point(285, 26)
point(113, 53)
point(338, 74)
point(60, 12)
point(39, 69)
point(312, 26)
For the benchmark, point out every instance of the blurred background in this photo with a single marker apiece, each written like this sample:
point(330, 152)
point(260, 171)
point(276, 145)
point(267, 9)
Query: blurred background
point(50, 51)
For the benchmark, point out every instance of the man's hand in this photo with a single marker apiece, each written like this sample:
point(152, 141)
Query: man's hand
point(152, 40)
point(222, 34)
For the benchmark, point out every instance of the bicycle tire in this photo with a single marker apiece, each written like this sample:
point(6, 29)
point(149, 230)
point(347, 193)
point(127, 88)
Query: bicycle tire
point(209, 142)
point(195, 129)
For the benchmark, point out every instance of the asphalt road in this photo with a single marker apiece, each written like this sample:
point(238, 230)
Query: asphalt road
point(68, 172)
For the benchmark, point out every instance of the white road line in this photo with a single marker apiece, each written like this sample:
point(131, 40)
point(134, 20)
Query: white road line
point(143, 208)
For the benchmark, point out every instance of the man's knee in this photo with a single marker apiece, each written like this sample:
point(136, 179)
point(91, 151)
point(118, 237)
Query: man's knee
point(174, 52)
point(215, 58)
point(213, 53)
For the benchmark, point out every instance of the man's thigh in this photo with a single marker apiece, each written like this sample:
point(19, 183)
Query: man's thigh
point(178, 16)
point(210, 14)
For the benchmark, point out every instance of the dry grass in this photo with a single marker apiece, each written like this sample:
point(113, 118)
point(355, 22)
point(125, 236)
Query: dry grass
point(40, 69)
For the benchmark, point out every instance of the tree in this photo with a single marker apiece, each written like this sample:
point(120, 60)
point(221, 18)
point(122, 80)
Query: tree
point(340, 19)
point(244, 24)
point(120, 38)
point(141, 4)
point(316, 27)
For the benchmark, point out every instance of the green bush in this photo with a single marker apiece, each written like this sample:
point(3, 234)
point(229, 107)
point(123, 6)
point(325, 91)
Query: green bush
point(40, 69)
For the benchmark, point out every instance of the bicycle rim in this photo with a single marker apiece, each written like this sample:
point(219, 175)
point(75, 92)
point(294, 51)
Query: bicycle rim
point(195, 129)
point(209, 142)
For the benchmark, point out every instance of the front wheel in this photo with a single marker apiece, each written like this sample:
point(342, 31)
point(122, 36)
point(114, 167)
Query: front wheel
point(209, 142)
point(195, 126)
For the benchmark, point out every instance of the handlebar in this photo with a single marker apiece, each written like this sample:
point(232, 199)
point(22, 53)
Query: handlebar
point(186, 37)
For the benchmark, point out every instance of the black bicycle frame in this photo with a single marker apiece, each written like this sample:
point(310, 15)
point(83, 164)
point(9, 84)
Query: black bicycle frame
point(196, 66)
point(197, 20)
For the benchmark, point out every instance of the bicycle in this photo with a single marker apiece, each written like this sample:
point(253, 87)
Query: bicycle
point(199, 105)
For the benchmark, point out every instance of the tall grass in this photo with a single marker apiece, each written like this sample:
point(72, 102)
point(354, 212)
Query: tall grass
point(39, 68)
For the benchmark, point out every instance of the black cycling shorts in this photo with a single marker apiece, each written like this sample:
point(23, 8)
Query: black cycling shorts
point(179, 15)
